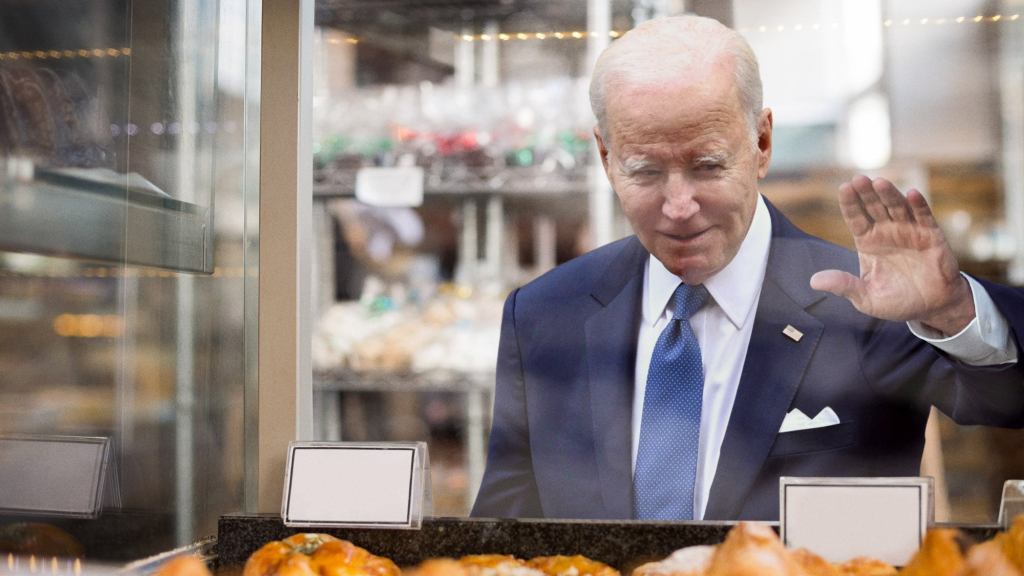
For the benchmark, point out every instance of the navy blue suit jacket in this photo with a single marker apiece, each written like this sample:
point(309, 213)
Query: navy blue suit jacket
point(560, 443)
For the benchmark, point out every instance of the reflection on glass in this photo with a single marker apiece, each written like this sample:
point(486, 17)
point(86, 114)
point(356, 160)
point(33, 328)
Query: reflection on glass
point(121, 295)
point(491, 102)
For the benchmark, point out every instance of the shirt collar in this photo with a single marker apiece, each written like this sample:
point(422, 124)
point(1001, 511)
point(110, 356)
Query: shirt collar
point(731, 288)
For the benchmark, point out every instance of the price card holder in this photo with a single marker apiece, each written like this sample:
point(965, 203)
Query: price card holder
point(842, 518)
point(357, 484)
point(390, 187)
point(1012, 504)
point(56, 476)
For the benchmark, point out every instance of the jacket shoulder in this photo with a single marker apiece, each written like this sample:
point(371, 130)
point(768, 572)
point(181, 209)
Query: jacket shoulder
point(584, 274)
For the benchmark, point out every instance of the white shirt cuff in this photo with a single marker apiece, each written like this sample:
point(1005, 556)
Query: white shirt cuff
point(985, 341)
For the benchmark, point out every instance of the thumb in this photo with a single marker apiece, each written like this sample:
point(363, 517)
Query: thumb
point(839, 283)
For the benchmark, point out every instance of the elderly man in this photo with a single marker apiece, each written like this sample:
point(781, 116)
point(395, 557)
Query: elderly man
point(677, 374)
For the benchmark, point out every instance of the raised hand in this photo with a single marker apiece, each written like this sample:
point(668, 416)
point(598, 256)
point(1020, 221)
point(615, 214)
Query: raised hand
point(907, 269)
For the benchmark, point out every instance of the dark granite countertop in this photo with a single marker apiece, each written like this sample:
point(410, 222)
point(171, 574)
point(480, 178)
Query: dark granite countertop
point(622, 544)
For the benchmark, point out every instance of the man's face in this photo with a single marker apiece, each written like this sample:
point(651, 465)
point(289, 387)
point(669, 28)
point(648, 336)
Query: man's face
point(685, 169)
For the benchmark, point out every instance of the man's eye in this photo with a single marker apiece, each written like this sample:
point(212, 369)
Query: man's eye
point(646, 173)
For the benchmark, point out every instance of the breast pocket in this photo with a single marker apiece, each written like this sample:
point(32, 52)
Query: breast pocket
point(836, 437)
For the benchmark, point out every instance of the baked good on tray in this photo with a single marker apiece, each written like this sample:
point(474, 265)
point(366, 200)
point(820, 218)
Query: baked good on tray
point(866, 567)
point(689, 561)
point(187, 565)
point(571, 566)
point(755, 549)
point(316, 555)
point(475, 565)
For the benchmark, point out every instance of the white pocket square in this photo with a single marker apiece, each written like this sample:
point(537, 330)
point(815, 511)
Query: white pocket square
point(797, 420)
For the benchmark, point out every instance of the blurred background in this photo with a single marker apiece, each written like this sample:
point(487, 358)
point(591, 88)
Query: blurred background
point(452, 161)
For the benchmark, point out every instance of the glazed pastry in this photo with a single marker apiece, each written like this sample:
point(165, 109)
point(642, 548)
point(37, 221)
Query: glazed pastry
point(988, 559)
point(753, 550)
point(1012, 543)
point(476, 565)
point(316, 555)
point(184, 566)
point(866, 567)
point(812, 564)
point(690, 561)
point(571, 566)
point(939, 555)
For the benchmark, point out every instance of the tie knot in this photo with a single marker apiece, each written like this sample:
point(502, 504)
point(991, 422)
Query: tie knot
point(686, 300)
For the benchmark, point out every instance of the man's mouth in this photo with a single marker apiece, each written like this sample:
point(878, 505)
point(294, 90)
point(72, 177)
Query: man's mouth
point(685, 237)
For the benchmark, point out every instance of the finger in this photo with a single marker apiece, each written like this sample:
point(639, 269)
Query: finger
point(895, 204)
point(869, 198)
point(919, 207)
point(841, 284)
point(857, 219)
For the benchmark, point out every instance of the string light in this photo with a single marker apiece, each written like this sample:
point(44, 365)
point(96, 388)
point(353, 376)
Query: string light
point(779, 28)
point(65, 54)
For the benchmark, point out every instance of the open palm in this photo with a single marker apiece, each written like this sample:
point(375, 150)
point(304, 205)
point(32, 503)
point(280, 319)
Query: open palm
point(907, 269)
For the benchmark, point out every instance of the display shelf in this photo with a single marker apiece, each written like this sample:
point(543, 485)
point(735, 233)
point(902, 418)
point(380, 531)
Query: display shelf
point(620, 543)
point(557, 188)
point(478, 388)
point(106, 223)
point(116, 536)
point(437, 381)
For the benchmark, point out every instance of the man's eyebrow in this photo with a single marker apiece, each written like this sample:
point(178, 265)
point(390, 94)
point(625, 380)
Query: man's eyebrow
point(711, 158)
point(635, 163)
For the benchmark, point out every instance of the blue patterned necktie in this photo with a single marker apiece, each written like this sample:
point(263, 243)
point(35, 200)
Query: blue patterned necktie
point(666, 460)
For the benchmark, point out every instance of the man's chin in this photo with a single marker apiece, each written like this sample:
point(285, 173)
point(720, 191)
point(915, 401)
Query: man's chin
point(691, 270)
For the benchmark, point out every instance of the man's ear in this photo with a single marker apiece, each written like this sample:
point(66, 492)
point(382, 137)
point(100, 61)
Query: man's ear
point(764, 142)
point(602, 149)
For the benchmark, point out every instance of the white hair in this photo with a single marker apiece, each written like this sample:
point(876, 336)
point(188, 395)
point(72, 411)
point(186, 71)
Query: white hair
point(659, 48)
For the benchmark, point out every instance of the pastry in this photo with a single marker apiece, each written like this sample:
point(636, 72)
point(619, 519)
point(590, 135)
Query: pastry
point(690, 561)
point(184, 566)
point(988, 559)
point(812, 564)
point(866, 567)
point(316, 555)
point(571, 566)
point(1012, 543)
point(753, 550)
point(939, 555)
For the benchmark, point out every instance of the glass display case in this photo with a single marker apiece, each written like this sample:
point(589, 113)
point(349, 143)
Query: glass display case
point(130, 224)
point(490, 101)
point(127, 164)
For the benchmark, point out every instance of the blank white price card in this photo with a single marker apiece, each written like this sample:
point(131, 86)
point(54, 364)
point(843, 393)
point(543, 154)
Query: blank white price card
point(355, 484)
point(842, 518)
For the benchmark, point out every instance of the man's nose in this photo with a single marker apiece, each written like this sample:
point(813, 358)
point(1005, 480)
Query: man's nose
point(680, 200)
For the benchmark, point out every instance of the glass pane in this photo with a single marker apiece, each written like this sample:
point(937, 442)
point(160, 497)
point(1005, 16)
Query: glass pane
point(123, 298)
point(489, 101)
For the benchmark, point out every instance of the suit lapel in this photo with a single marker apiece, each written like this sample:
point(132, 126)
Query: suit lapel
point(772, 372)
point(611, 335)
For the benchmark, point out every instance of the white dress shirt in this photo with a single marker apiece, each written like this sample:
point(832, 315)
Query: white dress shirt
point(724, 325)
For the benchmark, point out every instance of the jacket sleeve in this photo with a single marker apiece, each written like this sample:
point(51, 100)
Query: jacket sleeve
point(995, 395)
point(509, 488)
point(921, 374)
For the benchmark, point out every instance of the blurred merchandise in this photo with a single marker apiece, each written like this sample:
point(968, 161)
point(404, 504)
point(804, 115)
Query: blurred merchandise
point(387, 332)
point(530, 135)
